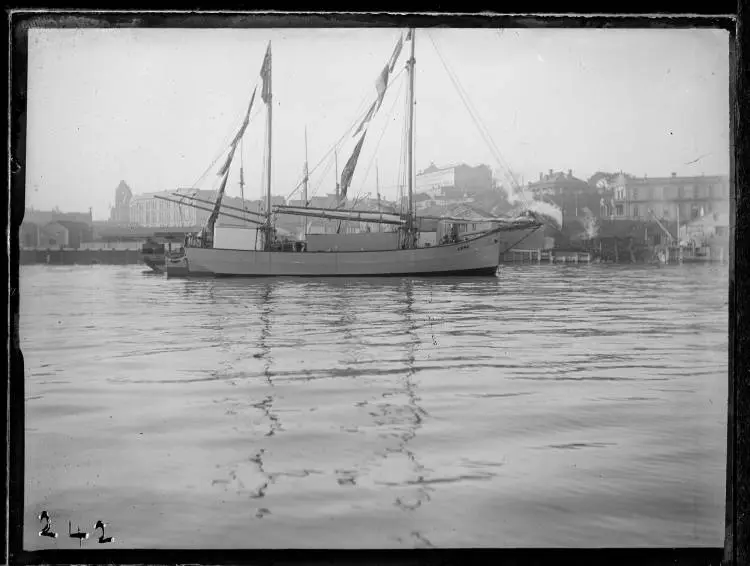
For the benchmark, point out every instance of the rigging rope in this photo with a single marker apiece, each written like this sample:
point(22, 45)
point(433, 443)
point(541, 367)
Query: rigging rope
point(320, 181)
point(335, 146)
point(402, 165)
point(242, 175)
point(380, 139)
point(477, 122)
point(263, 169)
point(224, 144)
point(328, 153)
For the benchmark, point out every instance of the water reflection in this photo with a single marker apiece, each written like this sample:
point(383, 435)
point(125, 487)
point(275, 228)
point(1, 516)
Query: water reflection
point(415, 412)
point(260, 301)
point(265, 305)
point(340, 413)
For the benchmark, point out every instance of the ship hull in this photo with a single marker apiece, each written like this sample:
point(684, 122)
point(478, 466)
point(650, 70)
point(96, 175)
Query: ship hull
point(477, 256)
point(515, 238)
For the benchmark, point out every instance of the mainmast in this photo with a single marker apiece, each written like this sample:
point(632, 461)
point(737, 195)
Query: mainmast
point(377, 189)
point(377, 184)
point(268, 99)
point(304, 194)
point(242, 172)
point(410, 142)
point(336, 174)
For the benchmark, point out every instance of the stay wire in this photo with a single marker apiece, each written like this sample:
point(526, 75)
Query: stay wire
point(477, 122)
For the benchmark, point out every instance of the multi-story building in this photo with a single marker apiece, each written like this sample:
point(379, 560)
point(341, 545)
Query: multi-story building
point(453, 183)
point(675, 199)
point(44, 228)
point(571, 194)
point(120, 212)
point(46, 216)
point(557, 184)
point(148, 210)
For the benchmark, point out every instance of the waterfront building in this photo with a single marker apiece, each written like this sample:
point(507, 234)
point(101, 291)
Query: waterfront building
point(148, 210)
point(709, 230)
point(60, 233)
point(54, 228)
point(571, 194)
point(674, 199)
point(443, 186)
point(50, 235)
point(42, 217)
point(120, 212)
point(77, 233)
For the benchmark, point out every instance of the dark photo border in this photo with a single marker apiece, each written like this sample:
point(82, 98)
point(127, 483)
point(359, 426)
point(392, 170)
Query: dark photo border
point(722, 15)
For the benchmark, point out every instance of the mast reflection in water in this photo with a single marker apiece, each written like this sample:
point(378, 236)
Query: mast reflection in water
point(544, 407)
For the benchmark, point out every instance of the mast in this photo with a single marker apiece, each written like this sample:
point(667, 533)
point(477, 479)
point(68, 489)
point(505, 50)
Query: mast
point(377, 184)
point(377, 189)
point(410, 143)
point(269, 104)
point(304, 195)
point(242, 172)
point(336, 173)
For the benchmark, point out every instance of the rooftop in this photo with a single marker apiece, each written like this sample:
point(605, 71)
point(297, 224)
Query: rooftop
point(433, 168)
point(674, 178)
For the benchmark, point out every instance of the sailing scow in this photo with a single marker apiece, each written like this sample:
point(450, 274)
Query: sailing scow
point(395, 248)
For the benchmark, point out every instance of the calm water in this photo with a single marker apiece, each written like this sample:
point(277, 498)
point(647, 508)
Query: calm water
point(550, 406)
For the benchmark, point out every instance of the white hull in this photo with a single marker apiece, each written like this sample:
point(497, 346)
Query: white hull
point(478, 256)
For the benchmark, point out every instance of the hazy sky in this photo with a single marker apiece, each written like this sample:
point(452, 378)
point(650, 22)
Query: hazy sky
point(156, 107)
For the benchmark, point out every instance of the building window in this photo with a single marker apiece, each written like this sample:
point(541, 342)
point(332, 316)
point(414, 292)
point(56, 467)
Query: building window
point(680, 192)
point(636, 212)
point(635, 196)
point(618, 210)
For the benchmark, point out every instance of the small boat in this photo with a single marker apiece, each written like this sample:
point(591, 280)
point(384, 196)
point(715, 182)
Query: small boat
point(153, 255)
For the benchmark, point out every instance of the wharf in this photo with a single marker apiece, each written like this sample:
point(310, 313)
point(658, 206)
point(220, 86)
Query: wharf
point(70, 256)
point(546, 256)
point(690, 254)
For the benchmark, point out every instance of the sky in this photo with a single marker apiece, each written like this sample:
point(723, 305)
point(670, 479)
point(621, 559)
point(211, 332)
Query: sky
point(155, 107)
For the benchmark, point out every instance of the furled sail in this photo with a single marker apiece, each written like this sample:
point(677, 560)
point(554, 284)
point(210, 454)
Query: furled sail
point(396, 53)
point(217, 206)
point(381, 86)
point(265, 74)
point(246, 121)
point(228, 162)
point(224, 170)
point(237, 138)
point(367, 118)
point(348, 172)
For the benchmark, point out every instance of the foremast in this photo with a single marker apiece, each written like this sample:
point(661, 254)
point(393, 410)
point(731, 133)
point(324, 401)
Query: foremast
point(266, 94)
point(410, 222)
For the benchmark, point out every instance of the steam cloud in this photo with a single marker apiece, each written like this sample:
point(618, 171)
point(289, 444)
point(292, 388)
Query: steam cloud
point(516, 196)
